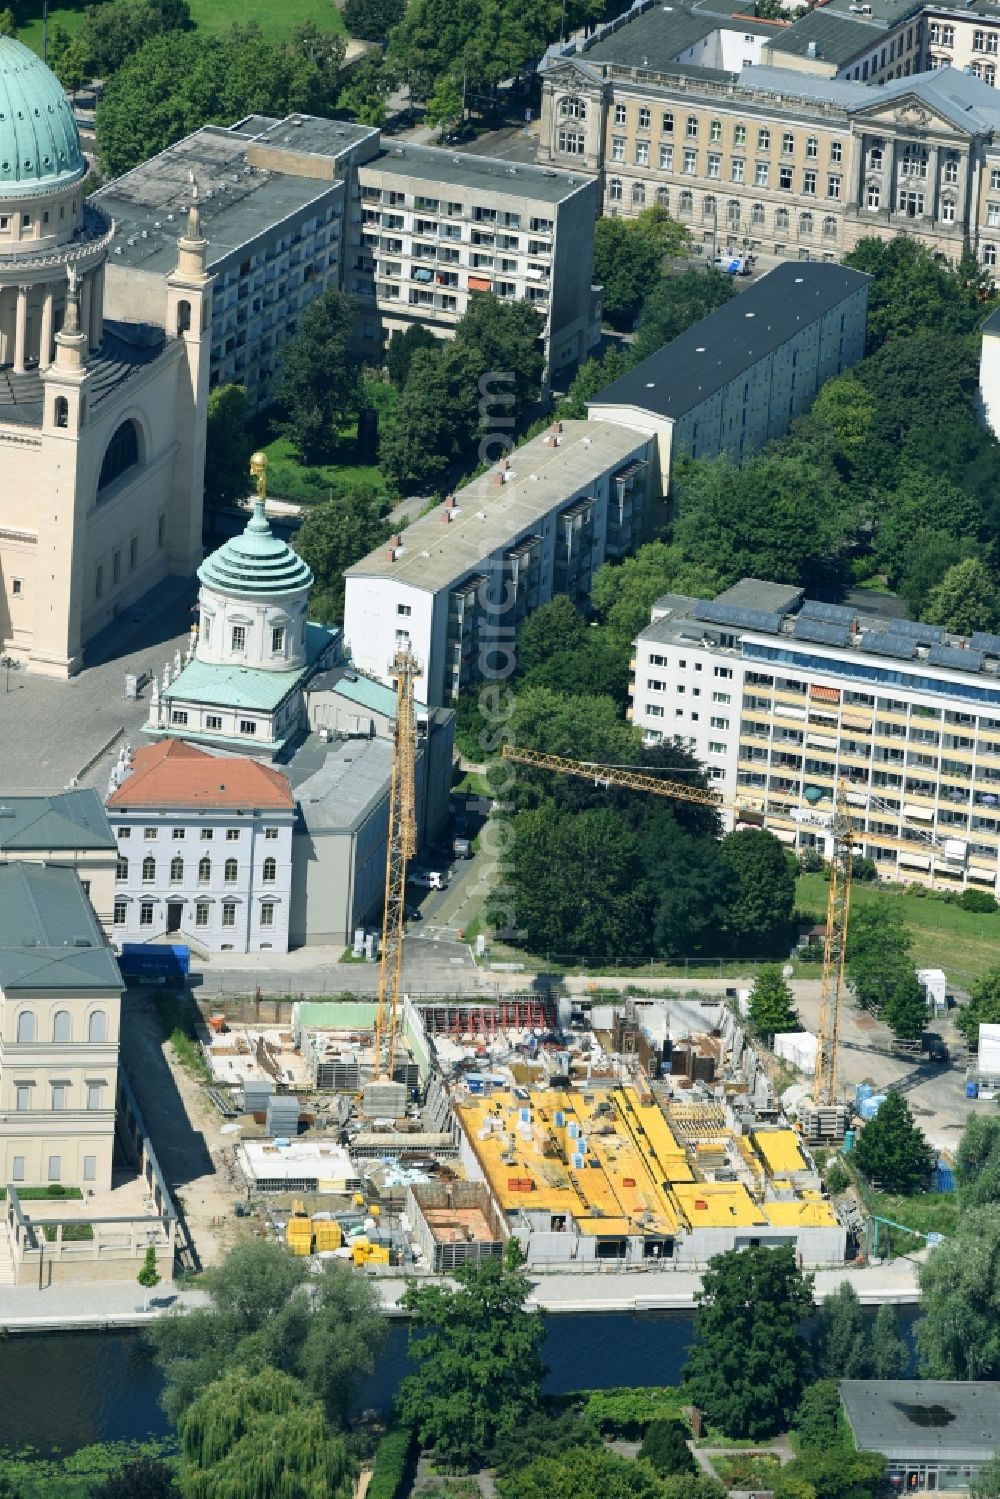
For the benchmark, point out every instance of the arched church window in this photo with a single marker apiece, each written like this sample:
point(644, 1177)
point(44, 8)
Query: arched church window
point(121, 454)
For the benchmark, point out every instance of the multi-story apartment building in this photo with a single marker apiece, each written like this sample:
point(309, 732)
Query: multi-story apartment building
point(781, 159)
point(60, 1000)
point(458, 582)
point(292, 207)
point(781, 697)
point(273, 198)
point(737, 379)
point(436, 228)
point(68, 829)
point(204, 850)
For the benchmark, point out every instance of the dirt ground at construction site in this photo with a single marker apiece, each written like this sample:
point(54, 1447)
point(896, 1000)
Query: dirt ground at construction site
point(186, 1132)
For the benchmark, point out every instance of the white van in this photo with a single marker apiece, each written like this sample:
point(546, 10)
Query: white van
point(427, 879)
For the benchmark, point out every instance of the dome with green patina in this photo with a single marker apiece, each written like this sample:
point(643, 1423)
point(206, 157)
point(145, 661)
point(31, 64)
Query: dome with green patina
point(39, 141)
point(256, 565)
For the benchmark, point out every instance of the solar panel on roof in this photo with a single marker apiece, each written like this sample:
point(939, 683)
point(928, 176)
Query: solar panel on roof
point(821, 631)
point(982, 641)
point(915, 629)
point(732, 614)
point(953, 655)
point(837, 614)
point(890, 644)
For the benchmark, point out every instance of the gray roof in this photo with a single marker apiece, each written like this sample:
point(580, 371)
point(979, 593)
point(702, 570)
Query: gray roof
point(49, 936)
point(837, 38)
point(890, 11)
point(966, 101)
point(238, 202)
point(707, 356)
point(69, 820)
point(338, 785)
point(655, 37)
point(447, 170)
point(924, 1420)
point(490, 516)
point(753, 593)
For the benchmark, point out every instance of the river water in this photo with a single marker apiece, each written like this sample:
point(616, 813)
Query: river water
point(66, 1390)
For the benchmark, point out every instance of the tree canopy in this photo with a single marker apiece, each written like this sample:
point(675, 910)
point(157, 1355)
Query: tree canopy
point(228, 446)
point(583, 1473)
point(335, 534)
point(320, 378)
point(892, 1151)
point(771, 1008)
point(748, 1365)
point(251, 1434)
point(177, 81)
point(478, 1363)
point(260, 1315)
point(958, 1334)
point(373, 19)
point(983, 1007)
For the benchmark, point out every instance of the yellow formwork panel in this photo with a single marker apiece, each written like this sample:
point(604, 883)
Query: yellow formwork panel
point(718, 1205)
point(811, 1213)
point(779, 1150)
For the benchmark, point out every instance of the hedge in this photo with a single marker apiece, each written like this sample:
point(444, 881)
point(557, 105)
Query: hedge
point(625, 1413)
point(394, 1463)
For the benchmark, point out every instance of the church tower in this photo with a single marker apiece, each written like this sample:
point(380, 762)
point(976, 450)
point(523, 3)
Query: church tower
point(189, 313)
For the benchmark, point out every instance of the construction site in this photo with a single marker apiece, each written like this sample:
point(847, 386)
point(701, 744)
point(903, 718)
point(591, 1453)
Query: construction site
point(426, 1133)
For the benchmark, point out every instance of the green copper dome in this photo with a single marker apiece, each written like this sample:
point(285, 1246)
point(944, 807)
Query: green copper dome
point(39, 141)
point(257, 564)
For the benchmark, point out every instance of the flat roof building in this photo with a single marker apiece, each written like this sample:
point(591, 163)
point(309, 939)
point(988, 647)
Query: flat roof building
point(738, 378)
point(795, 694)
point(603, 1175)
point(294, 206)
point(540, 523)
point(934, 1433)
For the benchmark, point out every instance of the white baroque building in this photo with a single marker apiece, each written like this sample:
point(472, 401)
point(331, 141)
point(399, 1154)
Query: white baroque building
point(204, 850)
point(102, 420)
point(242, 685)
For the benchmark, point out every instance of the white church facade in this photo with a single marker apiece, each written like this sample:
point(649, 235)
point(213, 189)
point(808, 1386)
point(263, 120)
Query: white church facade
point(102, 420)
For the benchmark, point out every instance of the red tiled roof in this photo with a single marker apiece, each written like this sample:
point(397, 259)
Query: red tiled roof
point(175, 774)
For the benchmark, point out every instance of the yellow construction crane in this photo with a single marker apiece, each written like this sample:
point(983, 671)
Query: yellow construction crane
point(401, 845)
point(838, 902)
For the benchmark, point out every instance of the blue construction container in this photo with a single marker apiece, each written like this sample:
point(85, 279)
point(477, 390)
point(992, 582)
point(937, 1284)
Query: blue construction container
point(861, 1092)
point(971, 1089)
point(871, 1106)
point(848, 1141)
point(944, 1178)
point(155, 962)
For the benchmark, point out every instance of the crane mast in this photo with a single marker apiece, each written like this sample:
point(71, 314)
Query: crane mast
point(400, 847)
point(838, 911)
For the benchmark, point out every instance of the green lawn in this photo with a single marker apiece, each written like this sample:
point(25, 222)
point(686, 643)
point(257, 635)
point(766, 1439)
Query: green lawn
point(276, 18)
point(289, 479)
point(944, 936)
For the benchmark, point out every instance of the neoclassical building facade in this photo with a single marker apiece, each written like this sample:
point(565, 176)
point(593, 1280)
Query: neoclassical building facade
point(102, 421)
point(776, 158)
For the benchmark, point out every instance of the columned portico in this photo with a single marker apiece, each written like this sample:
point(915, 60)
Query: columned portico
point(20, 330)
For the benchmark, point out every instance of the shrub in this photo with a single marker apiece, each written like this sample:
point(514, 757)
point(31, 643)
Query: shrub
point(665, 1446)
point(394, 1461)
point(837, 1179)
point(980, 901)
point(626, 1413)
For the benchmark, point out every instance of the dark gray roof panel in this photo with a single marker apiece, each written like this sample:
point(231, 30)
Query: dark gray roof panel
point(888, 643)
point(834, 614)
point(821, 631)
point(956, 657)
point(712, 612)
point(837, 39)
point(50, 939)
point(716, 351)
point(983, 641)
point(918, 1420)
point(68, 820)
point(917, 630)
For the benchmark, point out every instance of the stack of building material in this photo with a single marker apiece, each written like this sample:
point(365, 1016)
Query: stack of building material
point(256, 1094)
point(384, 1100)
point(282, 1116)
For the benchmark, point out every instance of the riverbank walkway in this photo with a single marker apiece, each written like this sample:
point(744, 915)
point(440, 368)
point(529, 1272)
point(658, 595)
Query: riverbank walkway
point(121, 1304)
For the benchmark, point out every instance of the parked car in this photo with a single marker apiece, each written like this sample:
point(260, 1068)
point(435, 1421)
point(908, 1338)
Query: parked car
point(427, 879)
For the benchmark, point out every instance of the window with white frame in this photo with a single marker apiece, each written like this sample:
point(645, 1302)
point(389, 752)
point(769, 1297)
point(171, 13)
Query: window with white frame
point(666, 158)
point(714, 165)
point(690, 163)
point(615, 190)
point(573, 108)
point(761, 173)
point(642, 153)
point(691, 128)
point(617, 148)
point(738, 169)
point(572, 142)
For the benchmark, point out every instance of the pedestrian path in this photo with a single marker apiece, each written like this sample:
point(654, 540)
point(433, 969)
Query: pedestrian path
point(114, 1304)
